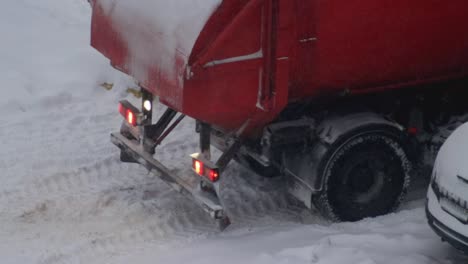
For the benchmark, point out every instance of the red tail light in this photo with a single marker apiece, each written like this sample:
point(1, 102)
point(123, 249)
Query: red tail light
point(213, 175)
point(413, 131)
point(129, 112)
point(204, 169)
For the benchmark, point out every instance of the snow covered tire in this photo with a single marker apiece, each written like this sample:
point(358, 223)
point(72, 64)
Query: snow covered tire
point(365, 175)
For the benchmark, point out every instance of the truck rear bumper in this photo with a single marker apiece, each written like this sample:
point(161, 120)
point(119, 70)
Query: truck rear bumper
point(189, 186)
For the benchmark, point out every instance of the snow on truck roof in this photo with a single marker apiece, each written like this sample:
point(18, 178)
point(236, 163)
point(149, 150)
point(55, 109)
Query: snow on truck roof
point(171, 25)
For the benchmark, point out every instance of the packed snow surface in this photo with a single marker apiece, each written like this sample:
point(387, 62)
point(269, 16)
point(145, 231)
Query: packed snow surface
point(66, 198)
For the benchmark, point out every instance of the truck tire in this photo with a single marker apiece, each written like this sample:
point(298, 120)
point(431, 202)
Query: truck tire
point(364, 175)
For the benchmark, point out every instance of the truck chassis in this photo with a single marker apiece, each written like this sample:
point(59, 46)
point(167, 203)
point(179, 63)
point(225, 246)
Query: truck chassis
point(304, 136)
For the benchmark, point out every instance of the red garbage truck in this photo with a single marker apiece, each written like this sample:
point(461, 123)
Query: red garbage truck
point(341, 98)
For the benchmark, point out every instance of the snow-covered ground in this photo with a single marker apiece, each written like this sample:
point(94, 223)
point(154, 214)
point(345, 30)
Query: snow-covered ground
point(66, 198)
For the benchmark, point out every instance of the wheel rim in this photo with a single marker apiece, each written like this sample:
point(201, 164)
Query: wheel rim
point(365, 180)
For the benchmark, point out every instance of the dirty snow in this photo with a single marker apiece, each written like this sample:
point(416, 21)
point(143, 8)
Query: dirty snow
point(66, 198)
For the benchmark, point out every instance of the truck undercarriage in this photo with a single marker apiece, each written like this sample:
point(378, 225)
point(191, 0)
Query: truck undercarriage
point(307, 149)
point(139, 138)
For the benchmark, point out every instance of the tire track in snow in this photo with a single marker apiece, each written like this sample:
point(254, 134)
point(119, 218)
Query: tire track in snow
point(180, 220)
point(75, 182)
point(141, 209)
point(147, 211)
point(249, 198)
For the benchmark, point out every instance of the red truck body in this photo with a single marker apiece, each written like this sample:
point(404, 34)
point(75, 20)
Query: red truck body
point(346, 100)
point(254, 57)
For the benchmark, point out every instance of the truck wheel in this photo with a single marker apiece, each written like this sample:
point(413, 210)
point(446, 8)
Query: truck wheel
point(366, 175)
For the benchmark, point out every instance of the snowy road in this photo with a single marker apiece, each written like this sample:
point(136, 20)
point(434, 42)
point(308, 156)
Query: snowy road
point(66, 198)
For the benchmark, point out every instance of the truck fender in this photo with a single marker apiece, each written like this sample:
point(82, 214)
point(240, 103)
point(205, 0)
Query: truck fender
point(303, 170)
point(334, 127)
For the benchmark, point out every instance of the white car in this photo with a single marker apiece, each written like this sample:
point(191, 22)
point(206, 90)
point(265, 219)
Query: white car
point(447, 198)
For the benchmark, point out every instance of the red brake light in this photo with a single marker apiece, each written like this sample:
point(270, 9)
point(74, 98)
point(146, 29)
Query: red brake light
point(413, 131)
point(213, 175)
point(204, 169)
point(129, 112)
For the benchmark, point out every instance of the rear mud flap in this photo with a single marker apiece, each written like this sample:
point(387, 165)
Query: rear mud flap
point(191, 187)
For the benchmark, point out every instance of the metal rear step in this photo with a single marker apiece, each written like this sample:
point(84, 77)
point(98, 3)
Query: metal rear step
point(208, 200)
